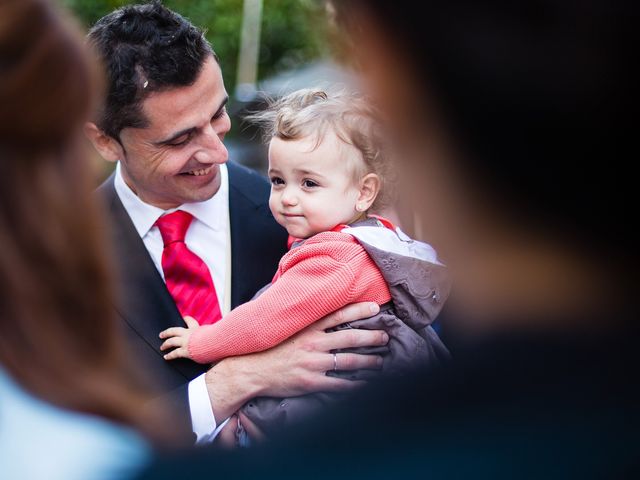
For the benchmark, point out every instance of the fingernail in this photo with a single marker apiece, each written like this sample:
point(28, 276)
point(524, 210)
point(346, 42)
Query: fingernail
point(379, 361)
point(385, 337)
point(373, 308)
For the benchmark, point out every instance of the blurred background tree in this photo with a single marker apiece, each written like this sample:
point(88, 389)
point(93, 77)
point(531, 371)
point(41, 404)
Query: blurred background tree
point(292, 30)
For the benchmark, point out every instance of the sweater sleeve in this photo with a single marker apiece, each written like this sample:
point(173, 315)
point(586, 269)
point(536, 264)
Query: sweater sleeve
point(313, 281)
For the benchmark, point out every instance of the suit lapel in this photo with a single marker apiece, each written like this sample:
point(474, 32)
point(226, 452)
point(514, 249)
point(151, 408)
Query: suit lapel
point(244, 219)
point(145, 303)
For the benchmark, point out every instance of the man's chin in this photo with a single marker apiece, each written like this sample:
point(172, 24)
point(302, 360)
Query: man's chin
point(204, 194)
point(200, 188)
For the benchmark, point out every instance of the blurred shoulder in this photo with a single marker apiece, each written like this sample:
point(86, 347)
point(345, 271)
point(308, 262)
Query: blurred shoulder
point(29, 424)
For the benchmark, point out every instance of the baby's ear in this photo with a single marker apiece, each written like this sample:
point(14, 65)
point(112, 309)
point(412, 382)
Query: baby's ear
point(369, 188)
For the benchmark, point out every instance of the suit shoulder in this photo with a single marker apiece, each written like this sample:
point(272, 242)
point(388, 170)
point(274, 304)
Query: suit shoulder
point(248, 182)
point(106, 192)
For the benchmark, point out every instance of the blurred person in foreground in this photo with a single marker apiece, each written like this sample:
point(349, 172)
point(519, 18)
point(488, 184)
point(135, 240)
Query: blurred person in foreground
point(193, 232)
point(66, 409)
point(514, 122)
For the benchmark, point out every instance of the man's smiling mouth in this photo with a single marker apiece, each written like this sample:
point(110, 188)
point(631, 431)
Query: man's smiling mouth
point(199, 172)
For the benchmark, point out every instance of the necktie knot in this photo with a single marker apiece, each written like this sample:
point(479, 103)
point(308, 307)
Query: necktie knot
point(173, 226)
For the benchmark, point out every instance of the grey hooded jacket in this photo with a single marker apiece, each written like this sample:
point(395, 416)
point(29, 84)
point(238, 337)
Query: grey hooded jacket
point(419, 286)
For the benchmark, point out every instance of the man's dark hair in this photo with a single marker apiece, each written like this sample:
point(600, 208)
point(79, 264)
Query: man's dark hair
point(144, 48)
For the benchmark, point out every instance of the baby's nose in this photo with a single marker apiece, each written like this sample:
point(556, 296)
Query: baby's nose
point(289, 199)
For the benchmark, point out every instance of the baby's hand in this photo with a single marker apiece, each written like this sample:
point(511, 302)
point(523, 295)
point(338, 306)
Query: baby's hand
point(178, 339)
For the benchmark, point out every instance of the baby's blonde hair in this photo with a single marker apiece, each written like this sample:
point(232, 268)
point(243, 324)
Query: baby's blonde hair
point(313, 112)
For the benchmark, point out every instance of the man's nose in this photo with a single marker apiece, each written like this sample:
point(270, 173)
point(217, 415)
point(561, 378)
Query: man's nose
point(213, 150)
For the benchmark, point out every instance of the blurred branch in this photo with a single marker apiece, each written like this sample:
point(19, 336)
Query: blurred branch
point(249, 49)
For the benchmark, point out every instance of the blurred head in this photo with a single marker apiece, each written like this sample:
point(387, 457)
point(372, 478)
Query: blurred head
point(327, 164)
point(511, 118)
point(164, 115)
point(43, 92)
point(57, 337)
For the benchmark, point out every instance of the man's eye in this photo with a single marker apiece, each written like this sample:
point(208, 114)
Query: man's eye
point(180, 141)
point(309, 184)
point(220, 114)
point(277, 181)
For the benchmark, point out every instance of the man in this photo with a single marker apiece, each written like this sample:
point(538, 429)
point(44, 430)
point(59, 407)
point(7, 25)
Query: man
point(193, 233)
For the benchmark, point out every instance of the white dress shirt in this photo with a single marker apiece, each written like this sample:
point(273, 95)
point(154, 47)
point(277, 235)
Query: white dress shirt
point(208, 237)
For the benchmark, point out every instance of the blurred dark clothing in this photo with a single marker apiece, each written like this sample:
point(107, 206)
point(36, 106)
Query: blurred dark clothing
point(511, 406)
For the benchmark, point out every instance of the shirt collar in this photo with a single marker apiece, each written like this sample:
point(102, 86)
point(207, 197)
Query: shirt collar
point(211, 212)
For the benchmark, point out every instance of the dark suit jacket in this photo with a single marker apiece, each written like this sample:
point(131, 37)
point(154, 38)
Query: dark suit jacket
point(145, 306)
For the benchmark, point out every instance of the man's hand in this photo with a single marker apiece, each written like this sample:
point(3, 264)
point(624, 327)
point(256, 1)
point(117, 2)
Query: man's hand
point(227, 439)
point(298, 365)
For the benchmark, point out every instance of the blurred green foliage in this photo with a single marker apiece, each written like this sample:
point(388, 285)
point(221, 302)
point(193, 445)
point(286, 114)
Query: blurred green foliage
point(292, 30)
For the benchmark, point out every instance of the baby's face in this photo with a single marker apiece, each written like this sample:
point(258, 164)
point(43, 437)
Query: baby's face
point(312, 190)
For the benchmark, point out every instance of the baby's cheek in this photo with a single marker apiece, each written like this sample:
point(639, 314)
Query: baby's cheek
point(273, 203)
point(324, 221)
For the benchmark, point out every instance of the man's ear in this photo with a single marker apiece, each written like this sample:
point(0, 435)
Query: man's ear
point(369, 189)
point(108, 147)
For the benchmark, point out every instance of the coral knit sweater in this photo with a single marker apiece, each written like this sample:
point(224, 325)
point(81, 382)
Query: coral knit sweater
point(328, 271)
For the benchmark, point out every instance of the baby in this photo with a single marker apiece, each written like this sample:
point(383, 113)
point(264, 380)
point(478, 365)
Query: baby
point(329, 173)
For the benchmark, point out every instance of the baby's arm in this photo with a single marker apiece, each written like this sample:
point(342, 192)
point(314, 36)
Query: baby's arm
point(312, 286)
point(178, 339)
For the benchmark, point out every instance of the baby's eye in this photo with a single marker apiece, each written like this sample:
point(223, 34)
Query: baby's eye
point(277, 181)
point(309, 184)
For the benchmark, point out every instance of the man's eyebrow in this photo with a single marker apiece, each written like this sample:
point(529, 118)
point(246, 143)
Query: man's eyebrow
point(186, 131)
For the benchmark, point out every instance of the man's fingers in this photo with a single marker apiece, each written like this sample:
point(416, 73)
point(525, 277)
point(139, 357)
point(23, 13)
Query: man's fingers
point(171, 332)
point(350, 313)
point(172, 342)
point(352, 338)
point(353, 361)
point(227, 436)
point(324, 362)
point(333, 384)
point(191, 322)
point(252, 430)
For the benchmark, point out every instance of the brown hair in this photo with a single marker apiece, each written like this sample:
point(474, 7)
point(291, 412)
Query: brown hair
point(57, 336)
point(312, 112)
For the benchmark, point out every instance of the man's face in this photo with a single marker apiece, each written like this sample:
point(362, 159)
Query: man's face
point(176, 159)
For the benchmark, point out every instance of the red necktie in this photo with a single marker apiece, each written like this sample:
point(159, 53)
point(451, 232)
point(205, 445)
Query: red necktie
point(187, 277)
